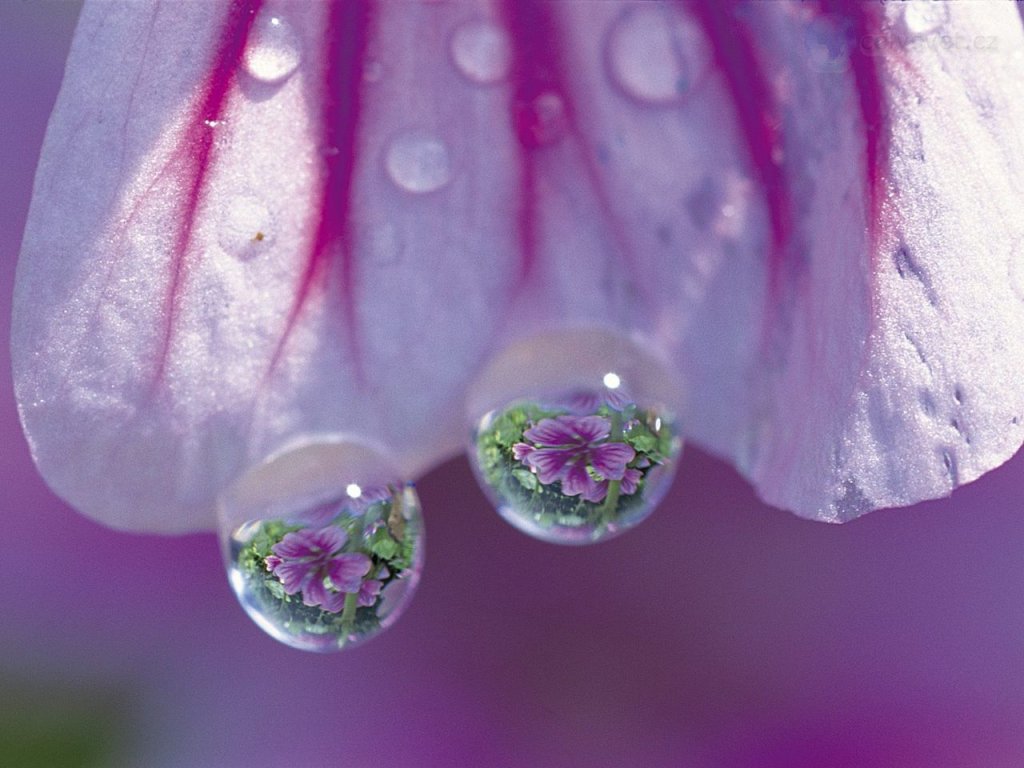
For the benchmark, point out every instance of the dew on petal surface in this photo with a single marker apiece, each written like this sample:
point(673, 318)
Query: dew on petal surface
point(481, 52)
point(922, 17)
point(654, 54)
point(274, 53)
point(580, 463)
point(246, 227)
point(324, 573)
point(418, 163)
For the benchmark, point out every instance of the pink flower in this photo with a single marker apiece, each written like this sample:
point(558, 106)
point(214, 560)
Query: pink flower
point(565, 447)
point(312, 562)
point(307, 226)
point(370, 589)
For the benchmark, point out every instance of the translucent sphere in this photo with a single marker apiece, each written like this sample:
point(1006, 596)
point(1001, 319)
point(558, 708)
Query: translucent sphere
point(329, 565)
point(584, 461)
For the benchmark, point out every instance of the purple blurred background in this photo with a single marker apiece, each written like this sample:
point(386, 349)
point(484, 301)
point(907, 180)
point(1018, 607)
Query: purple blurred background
point(720, 633)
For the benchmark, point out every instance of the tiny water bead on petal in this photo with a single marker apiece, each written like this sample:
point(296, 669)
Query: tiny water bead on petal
point(323, 545)
point(481, 52)
point(922, 17)
point(246, 228)
point(274, 52)
point(417, 162)
point(655, 54)
point(587, 447)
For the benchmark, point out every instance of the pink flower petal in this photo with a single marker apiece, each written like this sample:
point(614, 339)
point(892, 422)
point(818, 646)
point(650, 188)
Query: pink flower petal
point(578, 482)
point(346, 571)
point(314, 593)
point(295, 576)
point(629, 481)
point(829, 257)
point(369, 591)
point(568, 430)
point(550, 463)
point(521, 451)
point(610, 459)
point(309, 543)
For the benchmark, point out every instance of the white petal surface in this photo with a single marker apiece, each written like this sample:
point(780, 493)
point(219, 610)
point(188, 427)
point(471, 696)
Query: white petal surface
point(179, 317)
point(901, 387)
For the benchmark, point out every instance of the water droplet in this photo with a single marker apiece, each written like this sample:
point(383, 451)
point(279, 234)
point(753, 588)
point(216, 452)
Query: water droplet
point(922, 17)
point(323, 545)
point(541, 120)
point(576, 442)
point(481, 51)
point(273, 53)
point(417, 162)
point(246, 227)
point(656, 54)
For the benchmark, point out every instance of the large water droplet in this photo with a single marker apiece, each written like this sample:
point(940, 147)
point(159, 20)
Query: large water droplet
point(922, 17)
point(481, 51)
point(273, 53)
point(655, 54)
point(417, 162)
point(323, 544)
point(573, 436)
point(246, 228)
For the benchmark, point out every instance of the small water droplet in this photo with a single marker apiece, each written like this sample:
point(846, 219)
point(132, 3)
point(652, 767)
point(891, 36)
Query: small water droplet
point(212, 123)
point(541, 120)
point(417, 162)
point(273, 53)
point(655, 54)
point(579, 447)
point(481, 52)
point(922, 17)
point(246, 227)
point(323, 545)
